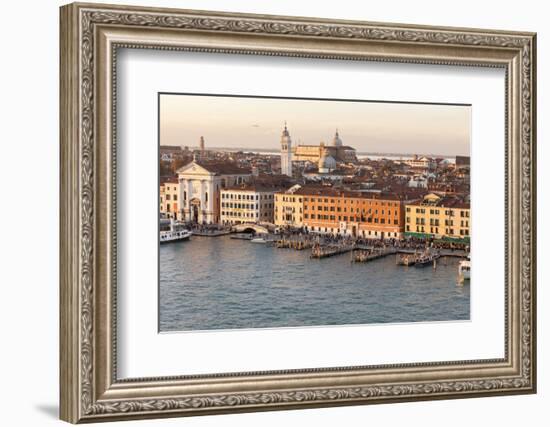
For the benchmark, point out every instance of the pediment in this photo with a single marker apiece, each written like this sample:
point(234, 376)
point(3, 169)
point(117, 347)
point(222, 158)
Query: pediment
point(193, 169)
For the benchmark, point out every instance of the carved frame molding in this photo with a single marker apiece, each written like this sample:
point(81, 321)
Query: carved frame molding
point(89, 388)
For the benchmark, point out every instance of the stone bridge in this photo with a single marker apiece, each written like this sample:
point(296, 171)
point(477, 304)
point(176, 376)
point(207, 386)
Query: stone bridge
point(252, 227)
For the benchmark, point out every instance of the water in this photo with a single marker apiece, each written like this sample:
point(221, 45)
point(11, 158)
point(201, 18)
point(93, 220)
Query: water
point(221, 283)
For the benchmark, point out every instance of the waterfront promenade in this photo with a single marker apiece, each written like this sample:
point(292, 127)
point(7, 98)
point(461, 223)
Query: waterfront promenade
point(324, 245)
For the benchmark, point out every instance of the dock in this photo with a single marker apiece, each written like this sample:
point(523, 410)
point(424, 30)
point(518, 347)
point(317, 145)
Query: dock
point(325, 251)
point(365, 255)
point(297, 244)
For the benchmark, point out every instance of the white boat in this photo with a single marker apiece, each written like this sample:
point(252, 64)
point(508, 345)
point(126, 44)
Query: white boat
point(172, 231)
point(258, 240)
point(464, 270)
point(172, 236)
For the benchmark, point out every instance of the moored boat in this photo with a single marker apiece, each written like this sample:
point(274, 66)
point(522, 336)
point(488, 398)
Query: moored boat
point(258, 240)
point(426, 258)
point(172, 231)
point(464, 270)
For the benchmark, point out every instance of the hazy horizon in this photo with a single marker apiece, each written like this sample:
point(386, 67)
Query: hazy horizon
point(368, 126)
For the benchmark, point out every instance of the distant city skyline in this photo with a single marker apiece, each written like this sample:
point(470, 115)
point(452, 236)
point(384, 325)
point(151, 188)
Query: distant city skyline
point(256, 123)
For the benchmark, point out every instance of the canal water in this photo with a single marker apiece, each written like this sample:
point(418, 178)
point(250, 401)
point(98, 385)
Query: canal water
point(211, 283)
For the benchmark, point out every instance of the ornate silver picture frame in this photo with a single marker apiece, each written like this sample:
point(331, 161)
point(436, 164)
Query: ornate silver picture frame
point(91, 390)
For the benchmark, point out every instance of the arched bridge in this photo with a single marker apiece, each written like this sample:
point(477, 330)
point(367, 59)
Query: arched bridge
point(250, 227)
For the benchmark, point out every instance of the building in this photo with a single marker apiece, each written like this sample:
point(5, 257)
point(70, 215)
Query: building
point(336, 149)
point(201, 145)
point(169, 193)
point(289, 208)
point(422, 162)
point(200, 183)
point(355, 213)
point(327, 163)
point(249, 202)
point(286, 153)
point(439, 217)
point(462, 162)
point(168, 153)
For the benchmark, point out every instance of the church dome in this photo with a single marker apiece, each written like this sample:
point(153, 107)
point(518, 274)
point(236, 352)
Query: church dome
point(336, 141)
point(326, 163)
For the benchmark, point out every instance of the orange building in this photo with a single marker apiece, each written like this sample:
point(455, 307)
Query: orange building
point(169, 189)
point(363, 214)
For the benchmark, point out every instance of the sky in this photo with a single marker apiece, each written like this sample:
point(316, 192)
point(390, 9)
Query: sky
point(370, 127)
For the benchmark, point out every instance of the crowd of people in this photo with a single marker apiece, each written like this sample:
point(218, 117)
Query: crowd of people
point(408, 242)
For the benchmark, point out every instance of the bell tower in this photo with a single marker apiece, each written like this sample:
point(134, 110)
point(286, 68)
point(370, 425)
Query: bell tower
point(286, 153)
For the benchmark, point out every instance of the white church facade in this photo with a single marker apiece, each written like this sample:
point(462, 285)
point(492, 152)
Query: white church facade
point(200, 184)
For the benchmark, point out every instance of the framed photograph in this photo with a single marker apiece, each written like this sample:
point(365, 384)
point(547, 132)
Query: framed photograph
point(266, 213)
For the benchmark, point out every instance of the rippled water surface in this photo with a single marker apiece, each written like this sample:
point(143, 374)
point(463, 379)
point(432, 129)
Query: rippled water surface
point(222, 283)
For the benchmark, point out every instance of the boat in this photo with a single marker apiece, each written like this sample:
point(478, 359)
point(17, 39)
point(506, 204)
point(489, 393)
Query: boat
point(422, 261)
point(426, 258)
point(258, 240)
point(464, 270)
point(172, 231)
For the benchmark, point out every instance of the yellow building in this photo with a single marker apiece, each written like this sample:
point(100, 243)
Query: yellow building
point(169, 190)
point(438, 217)
point(336, 149)
point(289, 208)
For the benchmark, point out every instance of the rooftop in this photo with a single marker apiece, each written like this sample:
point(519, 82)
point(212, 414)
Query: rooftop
point(444, 202)
point(168, 180)
point(326, 191)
